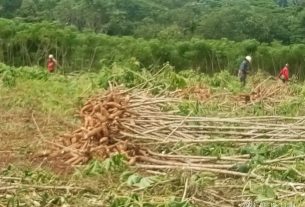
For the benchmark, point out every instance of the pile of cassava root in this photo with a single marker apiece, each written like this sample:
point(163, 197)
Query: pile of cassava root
point(99, 134)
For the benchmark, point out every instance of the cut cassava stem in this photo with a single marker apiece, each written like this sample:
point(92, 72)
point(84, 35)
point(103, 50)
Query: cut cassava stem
point(190, 168)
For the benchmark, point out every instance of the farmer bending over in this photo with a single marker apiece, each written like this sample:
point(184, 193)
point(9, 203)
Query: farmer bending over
point(51, 64)
point(243, 70)
point(284, 74)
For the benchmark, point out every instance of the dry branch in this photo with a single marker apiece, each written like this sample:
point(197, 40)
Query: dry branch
point(191, 168)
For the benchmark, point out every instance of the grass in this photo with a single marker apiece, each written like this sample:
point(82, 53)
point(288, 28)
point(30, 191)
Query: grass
point(35, 105)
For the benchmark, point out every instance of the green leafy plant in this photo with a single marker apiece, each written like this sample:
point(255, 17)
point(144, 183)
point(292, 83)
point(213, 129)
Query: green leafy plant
point(113, 164)
point(264, 193)
point(8, 78)
point(134, 180)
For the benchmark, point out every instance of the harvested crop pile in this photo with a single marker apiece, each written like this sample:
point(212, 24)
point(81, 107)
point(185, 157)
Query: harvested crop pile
point(129, 122)
point(133, 123)
point(99, 134)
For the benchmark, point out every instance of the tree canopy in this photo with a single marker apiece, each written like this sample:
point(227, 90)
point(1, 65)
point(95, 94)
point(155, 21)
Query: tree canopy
point(263, 20)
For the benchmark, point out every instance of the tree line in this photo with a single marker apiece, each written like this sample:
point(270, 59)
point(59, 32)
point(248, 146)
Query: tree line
point(263, 20)
point(30, 43)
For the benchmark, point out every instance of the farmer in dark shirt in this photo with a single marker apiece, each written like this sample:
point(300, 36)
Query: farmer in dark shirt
point(243, 70)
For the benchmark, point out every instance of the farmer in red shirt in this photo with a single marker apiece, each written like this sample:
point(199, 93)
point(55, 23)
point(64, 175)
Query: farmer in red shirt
point(51, 64)
point(284, 74)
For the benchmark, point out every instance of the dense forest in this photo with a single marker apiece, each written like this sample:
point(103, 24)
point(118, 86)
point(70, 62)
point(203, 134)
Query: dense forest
point(209, 35)
point(264, 20)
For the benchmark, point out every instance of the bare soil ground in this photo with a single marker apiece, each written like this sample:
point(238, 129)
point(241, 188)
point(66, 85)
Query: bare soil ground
point(22, 137)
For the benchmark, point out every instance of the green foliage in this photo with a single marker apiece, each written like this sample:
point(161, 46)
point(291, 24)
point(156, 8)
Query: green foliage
point(293, 107)
point(113, 164)
point(243, 168)
point(7, 76)
point(129, 74)
point(216, 150)
point(28, 175)
point(261, 152)
point(134, 200)
point(236, 20)
point(265, 193)
point(10, 74)
point(134, 180)
point(31, 73)
point(30, 43)
point(224, 80)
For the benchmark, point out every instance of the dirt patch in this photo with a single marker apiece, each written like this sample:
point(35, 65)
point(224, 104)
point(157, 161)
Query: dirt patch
point(22, 134)
point(6, 157)
point(54, 165)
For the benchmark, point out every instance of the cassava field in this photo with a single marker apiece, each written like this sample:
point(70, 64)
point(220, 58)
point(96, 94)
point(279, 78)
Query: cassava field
point(128, 137)
point(145, 108)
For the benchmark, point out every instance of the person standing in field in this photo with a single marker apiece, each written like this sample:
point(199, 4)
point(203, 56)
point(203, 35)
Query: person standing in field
point(51, 63)
point(244, 70)
point(284, 74)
